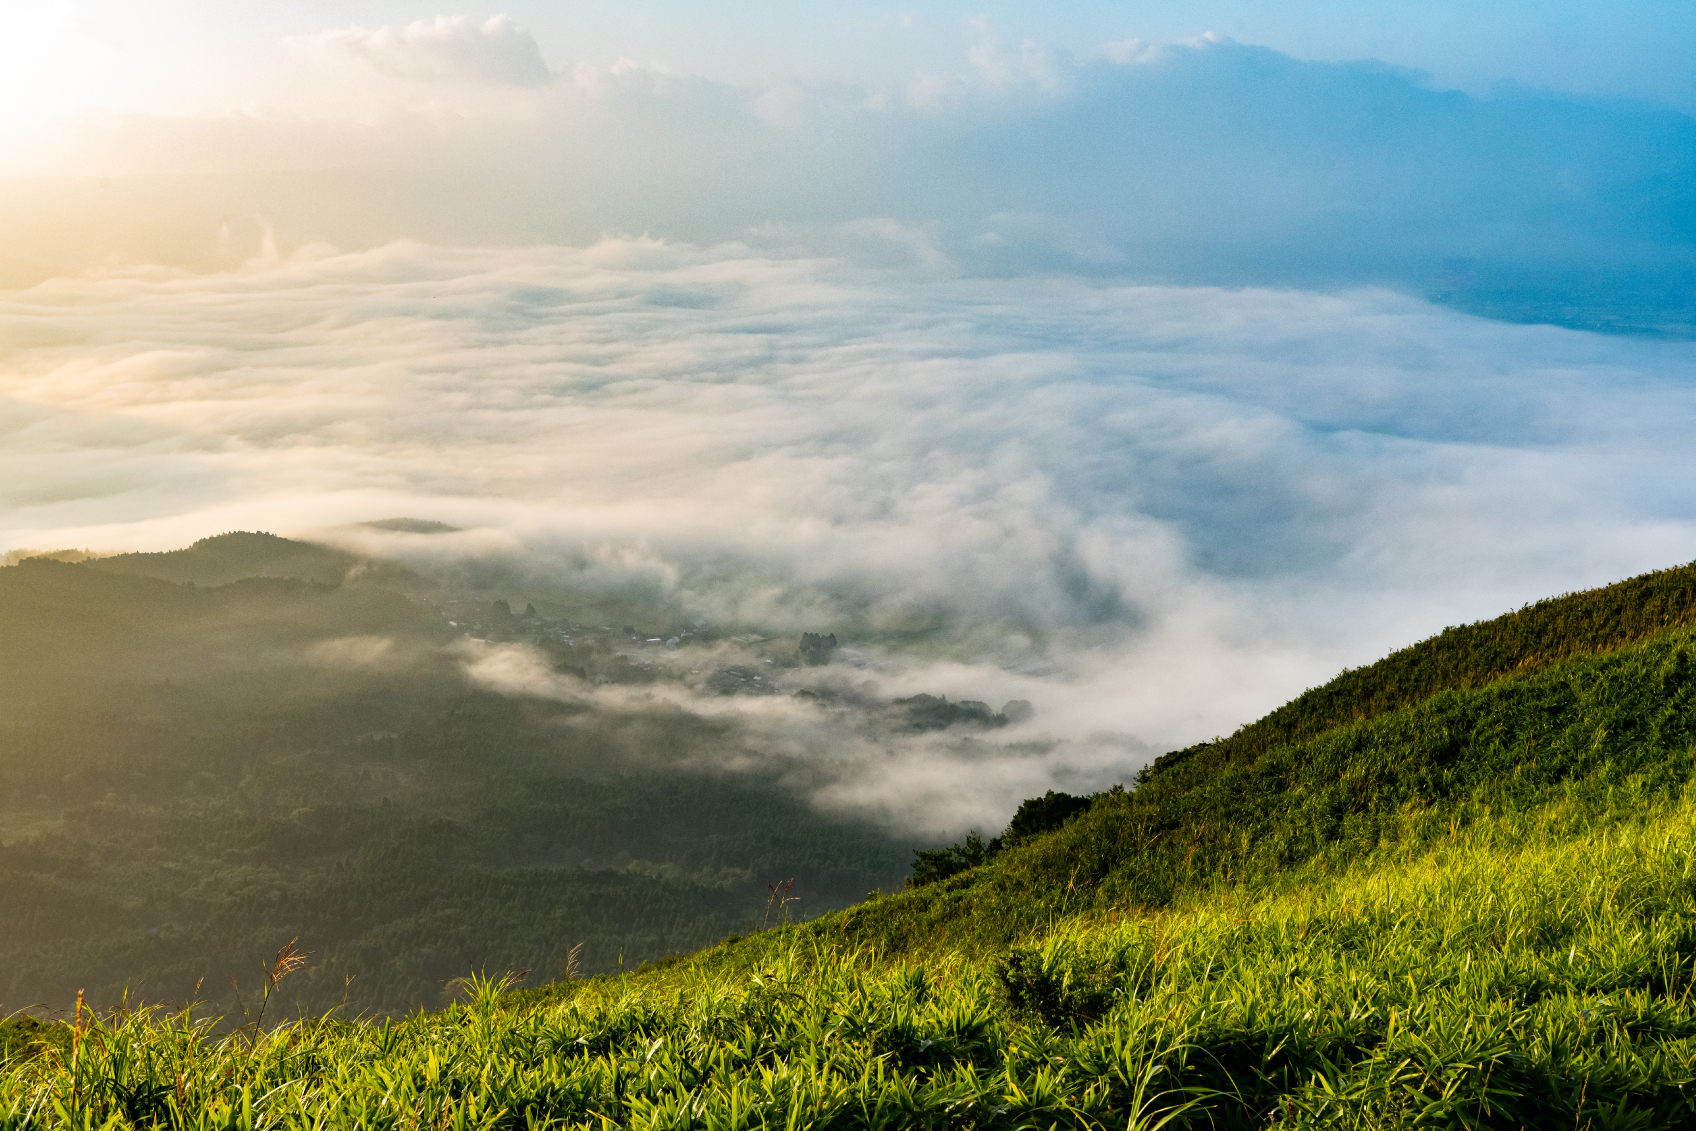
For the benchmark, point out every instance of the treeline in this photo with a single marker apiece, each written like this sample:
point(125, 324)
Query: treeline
point(234, 556)
point(403, 897)
point(1035, 815)
point(405, 862)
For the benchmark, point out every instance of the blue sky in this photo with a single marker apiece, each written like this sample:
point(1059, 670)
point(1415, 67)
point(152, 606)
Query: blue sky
point(1639, 49)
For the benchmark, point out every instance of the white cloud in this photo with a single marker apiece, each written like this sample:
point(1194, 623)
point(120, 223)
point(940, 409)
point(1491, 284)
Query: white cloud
point(1152, 511)
point(1030, 62)
point(447, 49)
point(863, 395)
point(1211, 162)
point(1129, 51)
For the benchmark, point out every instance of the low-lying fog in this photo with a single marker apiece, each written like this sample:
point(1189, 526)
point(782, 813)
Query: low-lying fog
point(1151, 513)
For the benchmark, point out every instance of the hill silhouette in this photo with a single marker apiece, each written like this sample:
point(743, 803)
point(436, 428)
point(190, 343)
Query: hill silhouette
point(412, 526)
point(231, 557)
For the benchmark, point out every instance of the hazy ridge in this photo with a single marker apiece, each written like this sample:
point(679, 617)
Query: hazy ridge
point(212, 751)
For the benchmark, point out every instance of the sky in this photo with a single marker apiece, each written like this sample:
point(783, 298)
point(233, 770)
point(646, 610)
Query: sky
point(1547, 178)
point(204, 57)
point(1160, 359)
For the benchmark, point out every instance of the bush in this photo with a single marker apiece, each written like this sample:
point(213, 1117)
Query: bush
point(940, 863)
point(1052, 985)
point(1039, 814)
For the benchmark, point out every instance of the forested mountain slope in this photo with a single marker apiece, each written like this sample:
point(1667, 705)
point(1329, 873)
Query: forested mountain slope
point(193, 774)
point(1471, 905)
point(224, 558)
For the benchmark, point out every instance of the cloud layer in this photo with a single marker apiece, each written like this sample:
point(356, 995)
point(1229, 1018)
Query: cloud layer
point(1204, 163)
point(447, 49)
point(1155, 512)
point(1091, 380)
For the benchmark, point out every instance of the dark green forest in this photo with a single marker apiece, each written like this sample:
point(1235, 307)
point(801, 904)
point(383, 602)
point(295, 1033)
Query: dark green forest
point(203, 757)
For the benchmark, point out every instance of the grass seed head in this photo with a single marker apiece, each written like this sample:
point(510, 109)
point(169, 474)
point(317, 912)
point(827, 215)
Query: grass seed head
point(289, 959)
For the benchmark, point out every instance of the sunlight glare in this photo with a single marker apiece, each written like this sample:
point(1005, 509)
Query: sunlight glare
point(59, 61)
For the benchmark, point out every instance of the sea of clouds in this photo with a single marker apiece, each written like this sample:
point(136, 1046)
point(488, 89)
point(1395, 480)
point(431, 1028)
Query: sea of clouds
point(1132, 384)
point(1154, 512)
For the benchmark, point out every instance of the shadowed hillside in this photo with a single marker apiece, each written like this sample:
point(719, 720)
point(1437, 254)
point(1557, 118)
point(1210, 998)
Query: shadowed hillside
point(1595, 620)
point(231, 557)
point(192, 774)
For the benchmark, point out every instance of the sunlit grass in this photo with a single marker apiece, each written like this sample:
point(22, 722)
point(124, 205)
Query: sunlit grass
point(1523, 973)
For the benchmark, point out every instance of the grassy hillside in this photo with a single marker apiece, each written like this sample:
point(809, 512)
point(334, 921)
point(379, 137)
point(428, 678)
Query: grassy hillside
point(1516, 975)
point(1596, 620)
point(1461, 894)
point(1570, 729)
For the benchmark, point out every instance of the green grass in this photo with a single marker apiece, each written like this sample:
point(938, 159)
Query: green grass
point(1577, 731)
point(1460, 895)
point(1512, 975)
point(1465, 656)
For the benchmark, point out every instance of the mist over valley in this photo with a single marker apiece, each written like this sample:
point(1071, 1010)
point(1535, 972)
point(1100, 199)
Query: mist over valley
point(215, 750)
